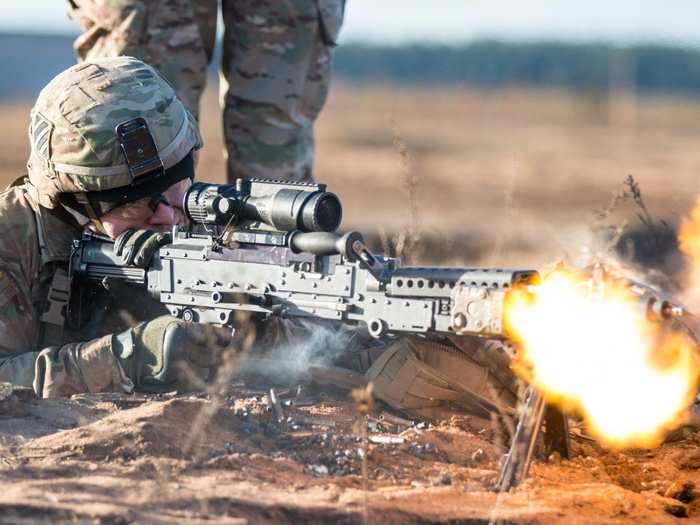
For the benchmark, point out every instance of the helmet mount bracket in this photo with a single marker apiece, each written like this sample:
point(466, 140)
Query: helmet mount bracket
point(139, 149)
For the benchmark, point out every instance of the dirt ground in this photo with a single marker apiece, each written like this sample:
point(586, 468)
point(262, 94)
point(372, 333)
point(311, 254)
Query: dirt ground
point(110, 459)
point(511, 179)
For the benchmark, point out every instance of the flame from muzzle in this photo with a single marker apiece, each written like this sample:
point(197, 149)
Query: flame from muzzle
point(589, 347)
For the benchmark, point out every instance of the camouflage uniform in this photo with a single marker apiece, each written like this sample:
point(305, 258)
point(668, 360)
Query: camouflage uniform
point(75, 150)
point(275, 67)
point(35, 245)
point(128, 343)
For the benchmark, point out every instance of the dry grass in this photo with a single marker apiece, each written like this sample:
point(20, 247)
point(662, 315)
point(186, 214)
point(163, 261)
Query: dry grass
point(518, 173)
point(514, 176)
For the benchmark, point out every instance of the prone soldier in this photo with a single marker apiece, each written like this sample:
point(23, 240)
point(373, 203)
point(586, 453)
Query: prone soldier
point(78, 178)
point(112, 151)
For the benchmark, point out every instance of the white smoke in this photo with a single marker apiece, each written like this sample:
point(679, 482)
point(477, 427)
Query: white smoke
point(306, 344)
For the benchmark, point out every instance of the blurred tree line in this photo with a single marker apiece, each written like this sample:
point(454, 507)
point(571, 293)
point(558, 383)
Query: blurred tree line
point(28, 62)
point(487, 64)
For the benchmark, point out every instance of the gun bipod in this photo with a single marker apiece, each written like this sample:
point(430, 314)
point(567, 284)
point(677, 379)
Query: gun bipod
point(534, 415)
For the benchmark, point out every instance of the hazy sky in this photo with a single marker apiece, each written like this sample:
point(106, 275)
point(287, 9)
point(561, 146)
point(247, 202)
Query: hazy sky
point(622, 21)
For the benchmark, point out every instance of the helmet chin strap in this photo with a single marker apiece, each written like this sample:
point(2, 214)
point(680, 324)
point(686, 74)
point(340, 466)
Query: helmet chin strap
point(96, 226)
point(156, 200)
point(89, 218)
point(95, 223)
point(84, 201)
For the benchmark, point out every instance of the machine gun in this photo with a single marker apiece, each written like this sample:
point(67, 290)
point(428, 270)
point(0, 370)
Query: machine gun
point(270, 248)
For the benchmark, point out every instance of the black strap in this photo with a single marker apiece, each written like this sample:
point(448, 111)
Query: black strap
point(102, 202)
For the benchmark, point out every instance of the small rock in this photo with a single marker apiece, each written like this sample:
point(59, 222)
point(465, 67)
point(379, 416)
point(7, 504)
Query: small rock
point(554, 457)
point(443, 479)
point(13, 399)
point(319, 470)
point(478, 456)
point(679, 510)
point(681, 490)
point(431, 448)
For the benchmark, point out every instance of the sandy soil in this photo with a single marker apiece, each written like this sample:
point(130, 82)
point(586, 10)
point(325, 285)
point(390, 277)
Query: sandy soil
point(113, 459)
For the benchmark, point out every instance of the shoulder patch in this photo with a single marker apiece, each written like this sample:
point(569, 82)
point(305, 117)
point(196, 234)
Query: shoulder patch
point(40, 135)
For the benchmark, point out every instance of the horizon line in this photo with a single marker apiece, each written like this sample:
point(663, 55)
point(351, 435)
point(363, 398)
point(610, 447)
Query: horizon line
point(447, 42)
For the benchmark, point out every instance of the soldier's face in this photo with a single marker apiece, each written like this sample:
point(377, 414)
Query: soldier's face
point(140, 216)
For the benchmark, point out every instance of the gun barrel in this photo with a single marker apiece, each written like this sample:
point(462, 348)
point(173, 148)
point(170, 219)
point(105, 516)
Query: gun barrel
point(654, 307)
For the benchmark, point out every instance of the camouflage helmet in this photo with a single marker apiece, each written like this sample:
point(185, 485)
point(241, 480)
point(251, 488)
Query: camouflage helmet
point(74, 145)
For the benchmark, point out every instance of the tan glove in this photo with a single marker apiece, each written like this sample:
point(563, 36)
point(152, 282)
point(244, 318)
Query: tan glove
point(169, 354)
point(137, 247)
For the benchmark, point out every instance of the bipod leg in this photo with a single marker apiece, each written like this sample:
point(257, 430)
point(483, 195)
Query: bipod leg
point(517, 461)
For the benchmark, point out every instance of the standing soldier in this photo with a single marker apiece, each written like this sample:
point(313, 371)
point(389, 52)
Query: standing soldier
point(275, 67)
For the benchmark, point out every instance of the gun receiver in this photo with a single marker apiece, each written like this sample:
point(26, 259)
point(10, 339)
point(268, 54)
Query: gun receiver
point(202, 282)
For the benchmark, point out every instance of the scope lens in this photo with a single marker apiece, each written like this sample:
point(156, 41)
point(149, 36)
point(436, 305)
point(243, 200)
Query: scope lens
point(323, 213)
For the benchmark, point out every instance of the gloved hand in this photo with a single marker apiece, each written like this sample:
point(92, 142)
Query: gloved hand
point(137, 247)
point(169, 354)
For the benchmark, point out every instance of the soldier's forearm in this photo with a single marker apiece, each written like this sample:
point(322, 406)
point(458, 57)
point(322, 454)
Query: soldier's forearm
point(18, 369)
point(77, 368)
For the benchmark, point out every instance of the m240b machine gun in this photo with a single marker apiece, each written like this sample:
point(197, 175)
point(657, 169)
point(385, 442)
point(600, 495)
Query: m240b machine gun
point(269, 247)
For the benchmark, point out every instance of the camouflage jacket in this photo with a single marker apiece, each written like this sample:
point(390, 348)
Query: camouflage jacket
point(35, 244)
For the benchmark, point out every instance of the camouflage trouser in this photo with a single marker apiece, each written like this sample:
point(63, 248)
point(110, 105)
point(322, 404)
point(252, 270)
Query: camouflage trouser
point(275, 67)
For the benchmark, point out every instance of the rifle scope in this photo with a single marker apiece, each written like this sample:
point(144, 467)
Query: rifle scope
point(281, 205)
